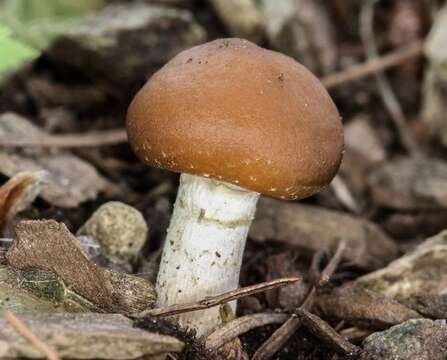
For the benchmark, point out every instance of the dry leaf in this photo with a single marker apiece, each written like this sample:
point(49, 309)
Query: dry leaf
point(70, 181)
point(18, 193)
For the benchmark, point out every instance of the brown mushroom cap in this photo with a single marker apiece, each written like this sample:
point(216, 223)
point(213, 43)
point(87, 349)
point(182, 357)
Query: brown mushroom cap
point(236, 112)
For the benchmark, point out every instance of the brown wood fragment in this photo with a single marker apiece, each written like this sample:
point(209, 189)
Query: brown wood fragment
point(433, 306)
point(310, 228)
point(322, 330)
point(364, 308)
point(49, 245)
point(240, 326)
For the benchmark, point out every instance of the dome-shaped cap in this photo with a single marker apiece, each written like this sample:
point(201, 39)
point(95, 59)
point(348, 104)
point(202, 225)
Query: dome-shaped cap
point(236, 112)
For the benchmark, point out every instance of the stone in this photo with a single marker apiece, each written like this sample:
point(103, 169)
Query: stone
point(420, 339)
point(119, 228)
point(363, 308)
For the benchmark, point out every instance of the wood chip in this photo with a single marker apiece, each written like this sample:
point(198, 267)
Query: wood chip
point(50, 245)
point(311, 228)
point(85, 336)
point(363, 308)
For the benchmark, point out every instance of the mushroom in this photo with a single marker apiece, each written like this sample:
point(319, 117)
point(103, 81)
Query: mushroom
point(236, 121)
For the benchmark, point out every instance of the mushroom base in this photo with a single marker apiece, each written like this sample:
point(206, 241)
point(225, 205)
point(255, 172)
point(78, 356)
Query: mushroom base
point(203, 251)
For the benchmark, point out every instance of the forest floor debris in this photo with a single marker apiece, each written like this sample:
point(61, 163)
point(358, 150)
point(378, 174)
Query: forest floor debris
point(50, 246)
point(70, 181)
point(63, 115)
point(85, 336)
point(420, 272)
point(309, 229)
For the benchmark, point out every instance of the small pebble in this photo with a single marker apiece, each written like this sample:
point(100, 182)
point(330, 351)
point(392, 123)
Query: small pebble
point(119, 228)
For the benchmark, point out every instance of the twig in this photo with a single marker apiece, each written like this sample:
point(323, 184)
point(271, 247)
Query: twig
point(99, 138)
point(240, 326)
point(371, 67)
point(386, 92)
point(278, 339)
point(27, 334)
point(325, 332)
point(280, 336)
point(332, 265)
point(209, 302)
point(314, 270)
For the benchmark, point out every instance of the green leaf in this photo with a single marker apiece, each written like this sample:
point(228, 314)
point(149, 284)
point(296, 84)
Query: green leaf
point(38, 22)
point(13, 52)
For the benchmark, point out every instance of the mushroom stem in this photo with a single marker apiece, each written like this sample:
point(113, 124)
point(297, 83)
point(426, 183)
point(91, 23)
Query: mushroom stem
point(203, 250)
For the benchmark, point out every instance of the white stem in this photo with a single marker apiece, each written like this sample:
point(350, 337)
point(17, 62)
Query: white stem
point(203, 251)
